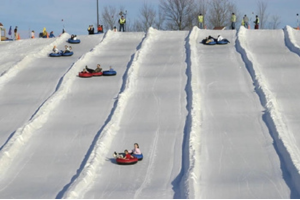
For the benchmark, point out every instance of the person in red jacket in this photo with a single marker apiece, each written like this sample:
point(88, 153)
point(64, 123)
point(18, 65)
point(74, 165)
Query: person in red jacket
point(127, 156)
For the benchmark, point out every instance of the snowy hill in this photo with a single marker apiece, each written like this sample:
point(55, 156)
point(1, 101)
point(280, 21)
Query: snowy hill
point(212, 121)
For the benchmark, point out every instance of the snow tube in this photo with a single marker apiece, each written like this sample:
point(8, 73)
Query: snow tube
point(109, 73)
point(55, 54)
point(138, 156)
point(85, 74)
point(130, 161)
point(67, 54)
point(223, 42)
point(73, 41)
point(210, 43)
point(97, 73)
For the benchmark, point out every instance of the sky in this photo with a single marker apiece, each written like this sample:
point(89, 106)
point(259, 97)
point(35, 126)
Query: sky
point(77, 15)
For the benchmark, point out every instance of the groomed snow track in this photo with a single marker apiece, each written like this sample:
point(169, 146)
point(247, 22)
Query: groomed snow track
point(211, 121)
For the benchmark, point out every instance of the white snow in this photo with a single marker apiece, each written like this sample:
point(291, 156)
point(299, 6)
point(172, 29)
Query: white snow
point(212, 121)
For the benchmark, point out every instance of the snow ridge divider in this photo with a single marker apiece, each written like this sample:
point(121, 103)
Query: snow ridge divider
point(190, 168)
point(22, 135)
point(13, 71)
point(284, 144)
point(290, 40)
point(84, 180)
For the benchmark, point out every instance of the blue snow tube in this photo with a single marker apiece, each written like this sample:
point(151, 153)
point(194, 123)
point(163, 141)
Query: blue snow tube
point(138, 156)
point(67, 53)
point(223, 42)
point(109, 73)
point(77, 41)
point(55, 54)
point(210, 43)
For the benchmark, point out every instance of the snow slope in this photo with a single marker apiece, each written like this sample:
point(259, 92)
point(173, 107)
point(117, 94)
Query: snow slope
point(33, 80)
point(211, 121)
point(237, 158)
point(77, 101)
point(276, 68)
point(154, 115)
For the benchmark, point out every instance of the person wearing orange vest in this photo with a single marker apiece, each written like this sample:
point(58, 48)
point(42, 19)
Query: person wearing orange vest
point(122, 22)
point(100, 29)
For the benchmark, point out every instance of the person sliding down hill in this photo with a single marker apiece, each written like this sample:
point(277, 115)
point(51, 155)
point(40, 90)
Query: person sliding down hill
point(73, 37)
point(98, 69)
point(67, 49)
point(220, 38)
point(126, 155)
point(136, 150)
point(55, 50)
point(209, 39)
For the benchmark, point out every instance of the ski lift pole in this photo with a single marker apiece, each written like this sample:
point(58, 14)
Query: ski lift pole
point(97, 14)
point(297, 21)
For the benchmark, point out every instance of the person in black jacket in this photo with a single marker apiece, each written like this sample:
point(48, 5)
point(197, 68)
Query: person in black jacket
point(256, 22)
point(91, 29)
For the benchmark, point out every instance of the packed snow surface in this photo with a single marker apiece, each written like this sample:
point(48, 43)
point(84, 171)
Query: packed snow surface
point(215, 121)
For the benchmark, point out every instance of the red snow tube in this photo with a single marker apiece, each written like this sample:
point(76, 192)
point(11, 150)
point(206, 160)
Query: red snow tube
point(130, 161)
point(85, 74)
point(97, 73)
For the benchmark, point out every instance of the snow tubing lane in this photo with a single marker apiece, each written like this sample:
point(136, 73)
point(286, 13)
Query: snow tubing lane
point(109, 73)
point(130, 161)
point(85, 74)
point(73, 41)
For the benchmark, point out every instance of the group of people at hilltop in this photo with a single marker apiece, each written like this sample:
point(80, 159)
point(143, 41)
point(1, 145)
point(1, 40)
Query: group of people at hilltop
point(121, 21)
point(245, 21)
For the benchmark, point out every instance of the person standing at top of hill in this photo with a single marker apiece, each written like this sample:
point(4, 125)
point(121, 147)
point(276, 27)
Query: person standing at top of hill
point(256, 22)
point(122, 22)
point(45, 32)
point(246, 21)
point(200, 20)
point(91, 29)
point(233, 20)
point(100, 29)
point(32, 34)
point(16, 33)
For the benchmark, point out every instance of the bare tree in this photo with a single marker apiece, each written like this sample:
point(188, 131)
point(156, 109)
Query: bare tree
point(263, 16)
point(148, 15)
point(109, 17)
point(274, 22)
point(178, 13)
point(220, 12)
point(160, 19)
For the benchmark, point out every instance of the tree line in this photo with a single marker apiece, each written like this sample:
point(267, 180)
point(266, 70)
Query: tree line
point(182, 15)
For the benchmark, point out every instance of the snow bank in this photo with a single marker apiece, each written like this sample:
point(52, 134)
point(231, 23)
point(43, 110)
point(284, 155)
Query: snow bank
point(24, 133)
point(96, 159)
point(285, 141)
point(291, 40)
point(13, 71)
point(192, 174)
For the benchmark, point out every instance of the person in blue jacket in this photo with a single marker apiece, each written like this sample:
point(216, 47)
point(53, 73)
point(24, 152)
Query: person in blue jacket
point(51, 35)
